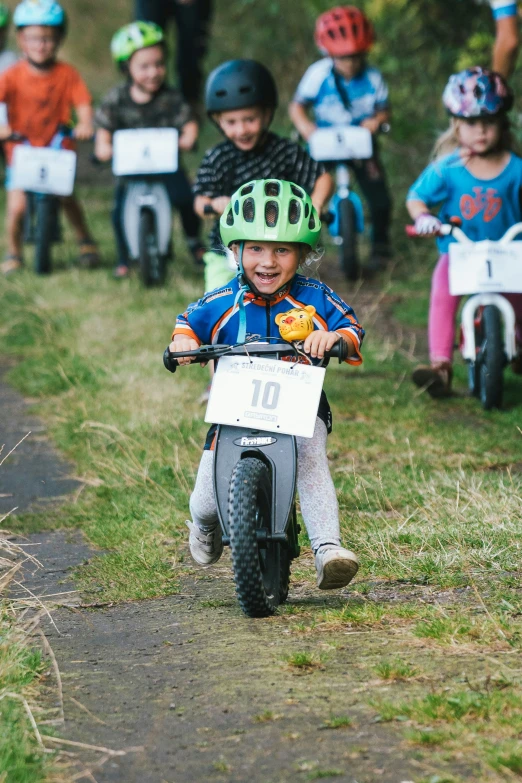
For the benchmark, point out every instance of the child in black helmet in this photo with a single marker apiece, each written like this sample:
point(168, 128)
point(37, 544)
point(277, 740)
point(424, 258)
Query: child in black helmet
point(241, 97)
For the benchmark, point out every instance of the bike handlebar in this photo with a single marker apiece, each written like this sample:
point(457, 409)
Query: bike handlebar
point(208, 209)
point(206, 353)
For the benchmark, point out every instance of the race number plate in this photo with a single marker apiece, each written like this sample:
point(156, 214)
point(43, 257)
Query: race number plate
point(485, 267)
point(267, 394)
point(145, 151)
point(43, 170)
point(340, 143)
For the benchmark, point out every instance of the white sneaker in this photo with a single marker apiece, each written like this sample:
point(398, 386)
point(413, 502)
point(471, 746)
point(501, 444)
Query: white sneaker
point(335, 566)
point(206, 546)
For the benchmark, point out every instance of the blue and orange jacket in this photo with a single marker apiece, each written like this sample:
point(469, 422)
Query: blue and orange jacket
point(214, 318)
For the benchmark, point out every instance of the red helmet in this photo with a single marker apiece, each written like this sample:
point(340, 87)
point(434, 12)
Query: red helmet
point(343, 31)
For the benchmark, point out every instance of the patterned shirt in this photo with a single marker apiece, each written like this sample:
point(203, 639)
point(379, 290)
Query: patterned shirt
point(339, 101)
point(215, 317)
point(118, 111)
point(487, 207)
point(225, 168)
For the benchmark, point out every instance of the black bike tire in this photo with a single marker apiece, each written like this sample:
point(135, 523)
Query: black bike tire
point(152, 264)
point(250, 493)
point(492, 359)
point(45, 205)
point(348, 252)
point(474, 378)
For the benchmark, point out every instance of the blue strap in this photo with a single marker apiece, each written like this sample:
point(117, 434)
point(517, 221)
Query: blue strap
point(240, 296)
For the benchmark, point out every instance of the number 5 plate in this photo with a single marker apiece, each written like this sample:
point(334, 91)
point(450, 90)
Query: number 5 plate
point(485, 267)
point(266, 394)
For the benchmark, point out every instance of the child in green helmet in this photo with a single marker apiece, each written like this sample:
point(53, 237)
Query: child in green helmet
point(271, 228)
point(146, 101)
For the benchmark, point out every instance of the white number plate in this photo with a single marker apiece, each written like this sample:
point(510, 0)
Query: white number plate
point(485, 267)
point(341, 143)
point(266, 394)
point(43, 170)
point(145, 151)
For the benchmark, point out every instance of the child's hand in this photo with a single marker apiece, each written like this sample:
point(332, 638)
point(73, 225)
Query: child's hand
point(188, 136)
point(427, 225)
point(318, 342)
point(5, 132)
point(372, 124)
point(220, 203)
point(84, 131)
point(182, 344)
point(103, 150)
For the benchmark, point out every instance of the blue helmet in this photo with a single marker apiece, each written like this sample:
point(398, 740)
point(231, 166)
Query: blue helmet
point(39, 12)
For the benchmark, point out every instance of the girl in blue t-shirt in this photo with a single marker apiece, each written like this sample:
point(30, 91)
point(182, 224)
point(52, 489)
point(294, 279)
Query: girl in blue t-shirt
point(476, 178)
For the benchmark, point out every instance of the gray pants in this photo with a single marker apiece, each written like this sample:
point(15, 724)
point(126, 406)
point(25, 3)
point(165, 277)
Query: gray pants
point(314, 484)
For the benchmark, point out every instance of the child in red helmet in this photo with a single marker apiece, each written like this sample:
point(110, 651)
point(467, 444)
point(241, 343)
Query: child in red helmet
point(342, 89)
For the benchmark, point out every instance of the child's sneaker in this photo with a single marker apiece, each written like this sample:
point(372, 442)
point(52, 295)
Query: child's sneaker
point(335, 566)
point(206, 546)
point(436, 379)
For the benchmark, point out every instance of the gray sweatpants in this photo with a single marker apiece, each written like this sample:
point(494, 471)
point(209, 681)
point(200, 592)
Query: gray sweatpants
point(314, 484)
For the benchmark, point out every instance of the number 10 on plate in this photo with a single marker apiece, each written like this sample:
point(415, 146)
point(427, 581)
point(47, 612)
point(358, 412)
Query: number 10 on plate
point(266, 394)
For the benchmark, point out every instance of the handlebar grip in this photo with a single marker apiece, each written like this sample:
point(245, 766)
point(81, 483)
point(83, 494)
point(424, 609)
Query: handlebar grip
point(169, 362)
point(411, 231)
point(208, 209)
point(342, 350)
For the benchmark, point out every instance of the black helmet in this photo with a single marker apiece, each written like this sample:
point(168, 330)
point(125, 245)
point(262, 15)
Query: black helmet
point(238, 84)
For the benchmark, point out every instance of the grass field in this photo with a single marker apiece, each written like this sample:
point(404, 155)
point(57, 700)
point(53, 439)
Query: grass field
point(430, 493)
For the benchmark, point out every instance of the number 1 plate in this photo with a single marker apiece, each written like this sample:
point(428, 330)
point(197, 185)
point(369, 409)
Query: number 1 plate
point(485, 267)
point(266, 394)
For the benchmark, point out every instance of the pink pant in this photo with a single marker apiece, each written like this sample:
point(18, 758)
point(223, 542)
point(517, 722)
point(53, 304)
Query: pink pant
point(443, 310)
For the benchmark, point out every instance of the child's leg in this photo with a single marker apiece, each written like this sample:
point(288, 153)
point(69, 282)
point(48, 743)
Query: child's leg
point(88, 250)
point(441, 319)
point(372, 181)
point(436, 378)
point(16, 203)
point(335, 565)
point(205, 541)
point(181, 198)
point(122, 264)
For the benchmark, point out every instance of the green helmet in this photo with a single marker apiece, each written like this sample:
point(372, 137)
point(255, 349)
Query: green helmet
point(132, 37)
point(5, 15)
point(270, 210)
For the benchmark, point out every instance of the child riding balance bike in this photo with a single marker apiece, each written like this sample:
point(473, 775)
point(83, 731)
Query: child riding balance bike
point(271, 227)
point(476, 178)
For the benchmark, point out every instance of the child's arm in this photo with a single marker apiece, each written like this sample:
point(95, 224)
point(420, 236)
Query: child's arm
point(103, 144)
point(303, 123)
point(323, 189)
point(188, 135)
point(374, 123)
point(84, 130)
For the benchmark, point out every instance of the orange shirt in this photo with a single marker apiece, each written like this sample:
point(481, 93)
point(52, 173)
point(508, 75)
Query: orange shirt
point(38, 102)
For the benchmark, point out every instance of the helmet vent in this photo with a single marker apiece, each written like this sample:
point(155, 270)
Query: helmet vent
point(249, 210)
point(230, 218)
point(307, 210)
point(311, 222)
point(294, 212)
point(245, 88)
point(236, 206)
point(246, 190)
point(221, 93)
point(271, 213)
point(272, 188)
point(297, 191)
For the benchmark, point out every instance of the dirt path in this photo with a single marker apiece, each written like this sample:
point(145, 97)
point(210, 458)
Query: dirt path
point(186, 687)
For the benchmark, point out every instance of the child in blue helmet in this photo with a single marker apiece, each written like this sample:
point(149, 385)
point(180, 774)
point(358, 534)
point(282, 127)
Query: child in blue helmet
point(476, 177)
point(40, 92)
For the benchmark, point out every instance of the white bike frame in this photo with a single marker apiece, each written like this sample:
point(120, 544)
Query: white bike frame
point(476, 301)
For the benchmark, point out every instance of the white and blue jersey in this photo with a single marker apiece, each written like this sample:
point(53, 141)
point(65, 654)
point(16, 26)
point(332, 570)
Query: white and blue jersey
point(487, 207)
point(503, 8)
point(339, 101)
